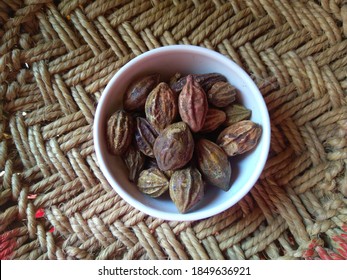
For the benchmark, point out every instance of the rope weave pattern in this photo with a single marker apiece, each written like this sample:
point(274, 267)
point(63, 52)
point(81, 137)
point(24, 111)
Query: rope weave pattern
point(57, 57)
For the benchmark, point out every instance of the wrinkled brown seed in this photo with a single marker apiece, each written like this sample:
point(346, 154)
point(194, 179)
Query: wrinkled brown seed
point(135, 96)
point(221, 94)
point(145, 136)
point(161, 107)
point(214, 119)
point(153, 182)
point(120, 130)
point(174, 147)
point(236, 113)
point(192, 104)
point(186, 188)
point(213, 164)
point(239, 138)
point(134, 160)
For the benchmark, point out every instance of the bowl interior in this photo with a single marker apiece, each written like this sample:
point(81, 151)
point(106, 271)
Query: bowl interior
point(168, 61)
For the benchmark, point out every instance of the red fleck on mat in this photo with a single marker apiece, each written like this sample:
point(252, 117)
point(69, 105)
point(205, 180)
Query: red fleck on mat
point(8, 244)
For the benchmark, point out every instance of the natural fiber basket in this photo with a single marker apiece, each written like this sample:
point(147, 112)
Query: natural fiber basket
point(57, 57)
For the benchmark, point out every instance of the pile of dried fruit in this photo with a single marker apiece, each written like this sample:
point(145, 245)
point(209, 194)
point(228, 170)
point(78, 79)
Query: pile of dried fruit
point(178, 136)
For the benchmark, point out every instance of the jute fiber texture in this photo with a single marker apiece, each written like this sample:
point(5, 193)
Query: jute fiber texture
point(57, 57)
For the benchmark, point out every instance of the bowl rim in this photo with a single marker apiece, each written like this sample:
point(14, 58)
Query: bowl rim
point(203, 213)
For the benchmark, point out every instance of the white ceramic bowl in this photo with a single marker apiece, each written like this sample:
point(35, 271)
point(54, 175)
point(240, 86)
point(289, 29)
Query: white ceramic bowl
point(167, 61)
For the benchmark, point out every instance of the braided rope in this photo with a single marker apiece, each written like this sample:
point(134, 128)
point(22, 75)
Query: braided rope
point(56, 57)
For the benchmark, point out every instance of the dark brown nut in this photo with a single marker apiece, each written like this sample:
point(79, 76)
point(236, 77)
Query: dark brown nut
point(145, 136)
point(135, 97)
point(235, 113)
point(209, 80)
point(213, 164)
point(205, 80)
point(221, 94)
point(214, 119)
point(153, 182)
point(161, 107)
point(192, 104)
point(186, 188)
point(174, 147)
point(134, 160)
point(240, 137)
point(120, 131)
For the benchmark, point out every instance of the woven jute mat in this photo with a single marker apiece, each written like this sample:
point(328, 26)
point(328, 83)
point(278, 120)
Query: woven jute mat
point(57, 57)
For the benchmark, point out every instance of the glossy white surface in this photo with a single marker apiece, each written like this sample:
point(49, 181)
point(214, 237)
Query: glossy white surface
point(184, 59)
